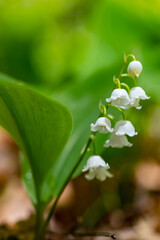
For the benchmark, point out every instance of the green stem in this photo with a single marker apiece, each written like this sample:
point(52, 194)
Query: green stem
point(126, 86)
point(119, 109)
point(39, 224)
point(124, 65)
point(117, 82)
point(134, 81)
point(127, 75)
point(94, 146)
point(111, 118)
point(129, 55)
point(102, 110)
point(84, 150)
point(38, 208)
point(122, 69)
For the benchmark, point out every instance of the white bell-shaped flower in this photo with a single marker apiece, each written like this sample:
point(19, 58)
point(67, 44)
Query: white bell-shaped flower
point(136, 94)
point(97, 168)
point(117, 142)
point(124, 128)
point(103, 125)
point(119, 98)
point(134, 68)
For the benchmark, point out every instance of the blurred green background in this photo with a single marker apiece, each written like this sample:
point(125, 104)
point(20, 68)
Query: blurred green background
point(71, 50)
point(57, 43)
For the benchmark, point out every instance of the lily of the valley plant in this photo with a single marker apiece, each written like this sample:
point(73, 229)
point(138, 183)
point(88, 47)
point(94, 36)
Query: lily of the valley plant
point(122, 98)
point(119, 131)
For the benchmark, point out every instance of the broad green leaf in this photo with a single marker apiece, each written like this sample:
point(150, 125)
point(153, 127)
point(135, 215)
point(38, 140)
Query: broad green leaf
point(40, 127)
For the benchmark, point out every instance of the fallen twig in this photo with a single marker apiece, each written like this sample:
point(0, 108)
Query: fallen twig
point(80, 234)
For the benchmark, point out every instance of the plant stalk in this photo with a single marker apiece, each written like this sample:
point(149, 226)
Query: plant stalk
point(84, 150)
point(41, 228)
point(39, 225)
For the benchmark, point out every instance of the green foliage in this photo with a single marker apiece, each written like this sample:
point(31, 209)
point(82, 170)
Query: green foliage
point(55, 43)
point(110, 29)
point(40, 127)
point(83, 99)
point(72, 50)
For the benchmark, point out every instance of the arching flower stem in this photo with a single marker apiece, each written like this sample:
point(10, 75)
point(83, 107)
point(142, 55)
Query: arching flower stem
point(111, 117)
point(117, 82)
point(126, 86)
point(121, 74)
point(119, 109)
point(129, 55)
point(103, 110)
point(51, 211)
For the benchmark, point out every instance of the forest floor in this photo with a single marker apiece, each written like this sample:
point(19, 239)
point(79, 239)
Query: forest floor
point(82, 209)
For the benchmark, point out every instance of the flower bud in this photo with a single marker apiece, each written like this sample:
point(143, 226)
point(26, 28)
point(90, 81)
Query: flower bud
point(134, 68)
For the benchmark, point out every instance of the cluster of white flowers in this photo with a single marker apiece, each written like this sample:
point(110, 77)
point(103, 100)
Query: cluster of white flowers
point(120, 99)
